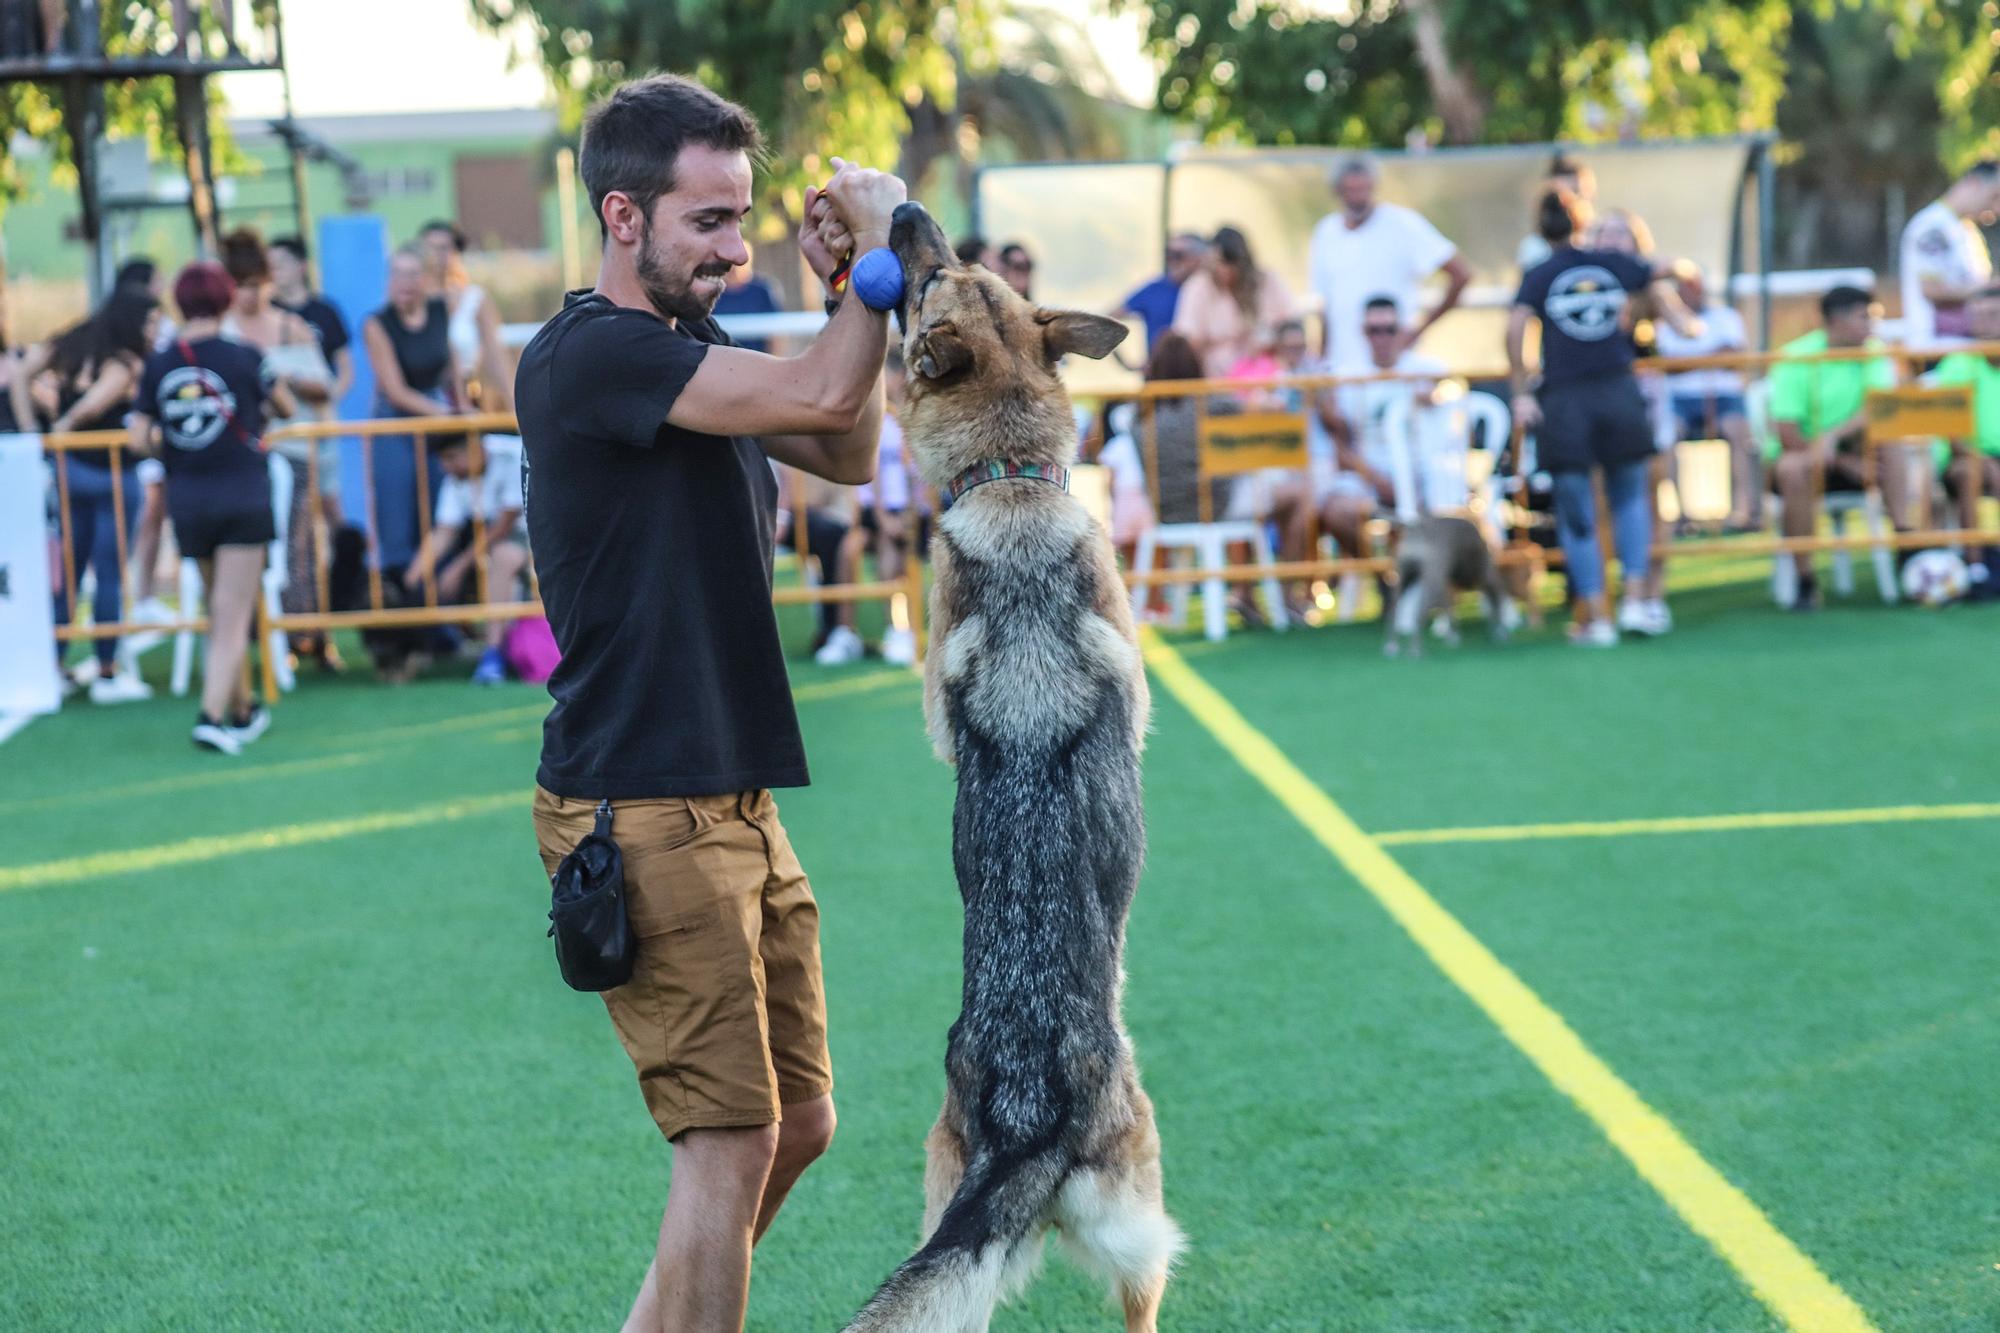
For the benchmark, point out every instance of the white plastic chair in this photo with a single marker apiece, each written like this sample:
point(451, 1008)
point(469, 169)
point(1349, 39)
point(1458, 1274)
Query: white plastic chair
point(1209, 544)
point(1839, 507)
point(277, 574)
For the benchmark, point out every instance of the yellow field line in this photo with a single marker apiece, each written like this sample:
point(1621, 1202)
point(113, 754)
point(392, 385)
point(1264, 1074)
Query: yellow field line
point(192, 781)
point(189, 851)
point(1619, 828)
point(1777, 1271)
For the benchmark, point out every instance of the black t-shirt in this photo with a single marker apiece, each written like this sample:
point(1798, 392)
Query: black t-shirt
point(208, 400)
point(1580, 295)
point(653, 545)
point(325, 319)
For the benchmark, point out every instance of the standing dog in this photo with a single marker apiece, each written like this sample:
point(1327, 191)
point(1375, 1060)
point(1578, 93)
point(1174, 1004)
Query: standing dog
point(1035, 690)
point(1441, 556)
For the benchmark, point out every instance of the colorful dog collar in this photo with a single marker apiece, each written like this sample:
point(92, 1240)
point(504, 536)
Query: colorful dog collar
point(981, 473)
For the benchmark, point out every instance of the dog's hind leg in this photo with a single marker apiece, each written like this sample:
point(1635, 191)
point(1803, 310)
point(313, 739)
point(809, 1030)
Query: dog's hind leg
point(1114, 1220)
point(944, 1164)
point(1502, 616)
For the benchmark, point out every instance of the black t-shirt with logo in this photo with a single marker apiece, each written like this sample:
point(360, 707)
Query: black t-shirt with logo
point(1579, 296)
point(208, 400)
point(653, 546)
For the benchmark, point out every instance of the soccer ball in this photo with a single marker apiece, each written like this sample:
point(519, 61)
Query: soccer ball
point(1934, 578)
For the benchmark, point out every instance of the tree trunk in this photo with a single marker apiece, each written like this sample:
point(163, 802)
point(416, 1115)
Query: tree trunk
point(1458, 101)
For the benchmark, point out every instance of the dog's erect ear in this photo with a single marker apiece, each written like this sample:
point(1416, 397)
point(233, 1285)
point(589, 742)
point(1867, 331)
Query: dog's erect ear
point(939, 352)
point(1066, 331)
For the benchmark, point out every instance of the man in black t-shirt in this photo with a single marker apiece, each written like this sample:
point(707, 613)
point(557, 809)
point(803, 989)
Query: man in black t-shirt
point(647, 444)
point(1589, 413)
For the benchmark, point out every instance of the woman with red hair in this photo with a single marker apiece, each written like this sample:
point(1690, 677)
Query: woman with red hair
point(203, 399)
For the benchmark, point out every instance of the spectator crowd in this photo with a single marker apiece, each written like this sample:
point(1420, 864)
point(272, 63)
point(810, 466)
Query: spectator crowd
point(199, 371)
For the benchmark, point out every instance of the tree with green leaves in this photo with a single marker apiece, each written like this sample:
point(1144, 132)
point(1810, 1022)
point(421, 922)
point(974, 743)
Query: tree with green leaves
point(814, 72)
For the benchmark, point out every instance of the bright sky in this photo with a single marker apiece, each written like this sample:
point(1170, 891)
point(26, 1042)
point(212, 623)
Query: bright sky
point(351, 57)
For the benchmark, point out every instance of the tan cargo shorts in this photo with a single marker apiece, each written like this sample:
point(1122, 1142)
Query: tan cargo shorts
point(725, 1014)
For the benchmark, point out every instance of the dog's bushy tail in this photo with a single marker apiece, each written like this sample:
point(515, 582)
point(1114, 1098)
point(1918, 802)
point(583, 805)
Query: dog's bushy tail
point(983, 1246)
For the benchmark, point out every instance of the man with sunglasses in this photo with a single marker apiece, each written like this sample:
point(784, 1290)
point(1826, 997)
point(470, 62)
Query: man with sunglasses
point(1155, 303)
point(1356, 417)
point(1017, 268)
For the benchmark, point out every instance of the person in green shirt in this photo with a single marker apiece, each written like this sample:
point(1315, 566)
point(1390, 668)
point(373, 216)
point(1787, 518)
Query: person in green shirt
point(1980, 454)
point(1817, 410)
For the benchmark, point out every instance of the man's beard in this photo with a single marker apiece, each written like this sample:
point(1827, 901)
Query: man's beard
point(676, 298)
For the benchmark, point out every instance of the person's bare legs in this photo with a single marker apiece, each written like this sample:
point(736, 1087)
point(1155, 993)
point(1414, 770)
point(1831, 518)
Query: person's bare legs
point(503, 584)
point(700, 1278)
point(232, 577)
point(794, 1145)
point(803, 1137)
point(1345, 516)
point(146, 548)
point(1746, 481)
point(1896, 471)
point(1798, 515)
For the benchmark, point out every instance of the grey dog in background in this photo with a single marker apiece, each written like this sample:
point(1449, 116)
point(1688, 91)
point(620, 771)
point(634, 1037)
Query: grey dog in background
point(1441, 556)
point(1035, 689)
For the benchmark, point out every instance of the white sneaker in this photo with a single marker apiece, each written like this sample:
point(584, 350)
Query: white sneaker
point(1633, 617)
point(214, 736)
point(119, 688)
point(1597, 634)
point(258, 723)
point(1661, 619)
point(151, 611)
point(841, 647)
point(899, 647)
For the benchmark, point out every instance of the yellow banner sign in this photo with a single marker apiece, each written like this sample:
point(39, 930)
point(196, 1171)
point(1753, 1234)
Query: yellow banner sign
point(1918, 412)
point(1247, 441)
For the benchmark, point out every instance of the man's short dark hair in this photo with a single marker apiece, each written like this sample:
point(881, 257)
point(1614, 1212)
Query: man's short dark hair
point(1986, 169)
point(970, 249)
point(1562, 164)
point(291, 245)
point(449, 228)
point(1383, 302)
point(632, 138)
point(1839, 300)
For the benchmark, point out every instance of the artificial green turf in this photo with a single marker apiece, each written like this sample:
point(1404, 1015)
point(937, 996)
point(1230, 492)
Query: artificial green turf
point(342, 1086)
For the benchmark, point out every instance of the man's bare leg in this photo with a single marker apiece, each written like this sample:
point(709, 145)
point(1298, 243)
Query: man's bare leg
point(706, 1232)
point(803, 1136)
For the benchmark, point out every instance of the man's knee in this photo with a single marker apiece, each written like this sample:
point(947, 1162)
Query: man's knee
point(807, 1131)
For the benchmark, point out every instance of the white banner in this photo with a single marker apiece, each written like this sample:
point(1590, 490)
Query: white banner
point(28, 682)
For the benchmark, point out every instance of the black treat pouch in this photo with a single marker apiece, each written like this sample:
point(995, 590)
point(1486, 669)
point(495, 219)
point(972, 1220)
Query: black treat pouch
point(594, 941)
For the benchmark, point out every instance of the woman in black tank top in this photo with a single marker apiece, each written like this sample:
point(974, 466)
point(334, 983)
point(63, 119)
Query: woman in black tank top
point(409, 349)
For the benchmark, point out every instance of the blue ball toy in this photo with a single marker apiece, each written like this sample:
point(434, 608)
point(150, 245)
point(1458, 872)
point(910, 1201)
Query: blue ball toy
point(877, 279)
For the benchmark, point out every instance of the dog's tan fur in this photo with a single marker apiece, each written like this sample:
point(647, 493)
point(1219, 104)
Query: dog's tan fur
point(1059, 661)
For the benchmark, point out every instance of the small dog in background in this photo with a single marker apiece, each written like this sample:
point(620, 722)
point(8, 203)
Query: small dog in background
point(1439, 558)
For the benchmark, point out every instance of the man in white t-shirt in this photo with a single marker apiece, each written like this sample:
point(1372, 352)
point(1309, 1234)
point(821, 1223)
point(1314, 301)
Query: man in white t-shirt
point(1943, 258)
point(1370, 249)
point(1355, 418)
point(1708, 404)
point(499, 540)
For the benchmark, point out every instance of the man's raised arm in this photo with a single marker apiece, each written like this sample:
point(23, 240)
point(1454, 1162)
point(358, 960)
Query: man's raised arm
point(819, 410)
